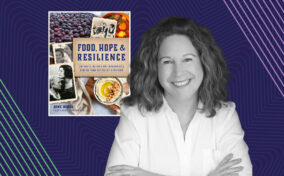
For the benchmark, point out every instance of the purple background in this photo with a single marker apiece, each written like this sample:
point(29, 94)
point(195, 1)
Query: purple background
point(80, 145)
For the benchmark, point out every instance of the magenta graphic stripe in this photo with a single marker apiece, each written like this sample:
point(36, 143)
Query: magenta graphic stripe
point(277, 11)
point(280, 37)
point(267, 29)
point(273, 17)
point(258, 44)
point(254, 49)
point(264, 43)
point(278, 5)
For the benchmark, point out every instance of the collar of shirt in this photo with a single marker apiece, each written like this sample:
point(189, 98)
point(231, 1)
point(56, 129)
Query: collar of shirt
point(166, 108)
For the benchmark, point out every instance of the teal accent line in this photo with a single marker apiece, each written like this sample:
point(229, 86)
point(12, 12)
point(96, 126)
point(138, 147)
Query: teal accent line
point(16, 138)
point(3, 169)
point(16, 149)
point(30, 130)
point(22, 135)
point(9, 156)
point(7, 164)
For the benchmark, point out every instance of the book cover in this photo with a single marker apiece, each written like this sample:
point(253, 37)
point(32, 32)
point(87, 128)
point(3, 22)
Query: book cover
point(89, 59)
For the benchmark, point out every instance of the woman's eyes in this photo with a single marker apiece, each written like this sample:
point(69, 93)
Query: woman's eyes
point(167, 62)
point(187, 59)
point(164, 61)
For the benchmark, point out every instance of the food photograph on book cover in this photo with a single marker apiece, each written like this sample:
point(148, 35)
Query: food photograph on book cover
point(95, 47)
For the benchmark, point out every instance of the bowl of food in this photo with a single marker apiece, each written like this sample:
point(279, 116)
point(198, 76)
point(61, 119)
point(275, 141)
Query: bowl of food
point(122, 29)
point(108, 90)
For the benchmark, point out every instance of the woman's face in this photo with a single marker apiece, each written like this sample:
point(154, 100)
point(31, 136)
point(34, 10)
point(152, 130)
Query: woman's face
point(59, 57)
point(57, 84)
point(180, 71)
point(61, 73)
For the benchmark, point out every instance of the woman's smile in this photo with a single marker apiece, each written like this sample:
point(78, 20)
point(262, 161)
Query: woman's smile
point(181, 83)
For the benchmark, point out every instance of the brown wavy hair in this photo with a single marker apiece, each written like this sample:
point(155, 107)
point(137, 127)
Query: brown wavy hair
point(146, 90)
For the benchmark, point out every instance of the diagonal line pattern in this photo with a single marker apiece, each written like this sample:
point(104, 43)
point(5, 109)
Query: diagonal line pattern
point(3, 149)
point(6, 164)
point(43, 164)
point(279, 6)
point(3, 169)
point(274, 17)
point(262, 41)
point(277, 11)
point(267, 28)
point(259, 41)
point(270, 22)
point(18, 138)
point(23, 117)
point(15, 146)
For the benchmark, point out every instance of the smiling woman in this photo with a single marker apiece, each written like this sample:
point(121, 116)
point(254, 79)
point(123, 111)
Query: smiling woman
point(177, 120)
point(179, 68)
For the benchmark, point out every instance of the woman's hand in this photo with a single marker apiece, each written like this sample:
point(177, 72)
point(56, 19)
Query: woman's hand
point(225, 167)
point(125, 170)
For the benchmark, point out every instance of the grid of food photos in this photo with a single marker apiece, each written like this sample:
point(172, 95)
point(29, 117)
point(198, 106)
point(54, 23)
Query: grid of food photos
point(71, 95)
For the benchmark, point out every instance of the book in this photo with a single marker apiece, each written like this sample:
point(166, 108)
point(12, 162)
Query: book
point(89, 60)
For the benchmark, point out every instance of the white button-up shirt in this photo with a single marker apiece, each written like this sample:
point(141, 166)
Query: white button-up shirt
point(155, 141)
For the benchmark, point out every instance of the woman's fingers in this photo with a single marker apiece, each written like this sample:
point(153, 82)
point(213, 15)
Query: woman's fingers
point(125, 170)
point(233, 170)
point(121, 167)
point(230, 164)
point(226, 159)
point(227, 167)
point(232, 174)
point(121, 173)
point(120, 170)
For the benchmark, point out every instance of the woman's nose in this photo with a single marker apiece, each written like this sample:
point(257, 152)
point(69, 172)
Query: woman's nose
point(179, 68)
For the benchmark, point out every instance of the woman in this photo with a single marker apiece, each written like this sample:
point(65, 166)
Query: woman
point(65, 73)
point(62, 56)
point(177, 120)
point(55, 88)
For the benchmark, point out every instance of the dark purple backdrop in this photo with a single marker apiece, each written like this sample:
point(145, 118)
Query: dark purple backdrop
point(80, 145)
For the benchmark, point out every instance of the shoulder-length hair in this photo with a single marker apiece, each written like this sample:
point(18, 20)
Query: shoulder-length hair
point(68, 73)
point(146, 90)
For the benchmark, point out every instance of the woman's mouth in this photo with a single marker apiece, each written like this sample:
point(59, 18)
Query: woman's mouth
point(181, 83)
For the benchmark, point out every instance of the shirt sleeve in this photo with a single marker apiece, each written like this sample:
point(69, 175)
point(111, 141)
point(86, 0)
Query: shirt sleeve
point(126, 146)
point(231, 139)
